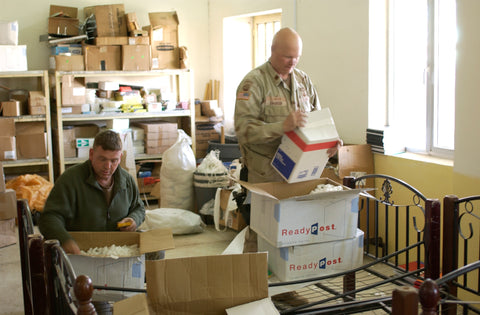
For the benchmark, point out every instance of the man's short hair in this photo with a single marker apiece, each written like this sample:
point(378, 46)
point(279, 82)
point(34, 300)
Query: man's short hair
point(108, 140)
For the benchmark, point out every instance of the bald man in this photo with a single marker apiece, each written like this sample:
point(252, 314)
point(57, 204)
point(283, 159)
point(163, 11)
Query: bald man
point(271, 100)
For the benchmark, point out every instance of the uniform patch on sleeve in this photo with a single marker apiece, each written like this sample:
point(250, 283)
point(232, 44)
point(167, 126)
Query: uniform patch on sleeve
point(243, 96)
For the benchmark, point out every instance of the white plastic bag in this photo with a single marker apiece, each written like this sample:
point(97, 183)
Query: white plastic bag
point(179, 220)
point(176, 174)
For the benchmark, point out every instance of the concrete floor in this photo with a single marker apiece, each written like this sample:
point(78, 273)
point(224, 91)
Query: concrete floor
point(209, 242)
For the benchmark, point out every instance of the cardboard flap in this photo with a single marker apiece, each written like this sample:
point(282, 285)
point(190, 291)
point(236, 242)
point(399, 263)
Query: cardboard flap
point(159, 19)
point(87, 240)
point(7, 127)
point(154, 240)
point(30, 128)
point(135, 305)
point(320, 127)
point(206, 284)
point(296, 191)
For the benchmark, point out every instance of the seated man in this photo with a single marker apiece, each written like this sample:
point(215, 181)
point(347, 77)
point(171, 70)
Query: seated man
point(93, 196)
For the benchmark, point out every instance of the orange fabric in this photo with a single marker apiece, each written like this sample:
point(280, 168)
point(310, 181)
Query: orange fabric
point(34, 188)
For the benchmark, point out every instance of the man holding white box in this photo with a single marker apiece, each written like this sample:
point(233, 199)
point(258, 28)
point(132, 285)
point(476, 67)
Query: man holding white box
point(273, 99)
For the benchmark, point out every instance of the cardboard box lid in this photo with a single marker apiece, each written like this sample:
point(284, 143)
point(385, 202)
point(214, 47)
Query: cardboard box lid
point(7, 127)
point(320, 127)
point(206, 284)
point(297, 191)
point(149, 241)
point(159, 19)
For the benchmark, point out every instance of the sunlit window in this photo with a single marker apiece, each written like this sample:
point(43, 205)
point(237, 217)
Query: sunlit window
point(419, 43)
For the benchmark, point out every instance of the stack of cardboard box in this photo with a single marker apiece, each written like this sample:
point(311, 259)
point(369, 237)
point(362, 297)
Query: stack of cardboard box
point(159, 136)
point(13, 57)
point(8, 212)
point(114, 40)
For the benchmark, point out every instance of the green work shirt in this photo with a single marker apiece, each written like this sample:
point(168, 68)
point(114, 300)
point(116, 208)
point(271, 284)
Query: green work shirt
point(77, 203)
point(262, 104)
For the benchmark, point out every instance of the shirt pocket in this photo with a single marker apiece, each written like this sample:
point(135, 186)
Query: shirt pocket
point(276, 109)
point(304, 99)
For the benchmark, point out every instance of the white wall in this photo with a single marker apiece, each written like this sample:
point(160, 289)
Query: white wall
point(32, 17)
point(335, 51)
point(467, 108)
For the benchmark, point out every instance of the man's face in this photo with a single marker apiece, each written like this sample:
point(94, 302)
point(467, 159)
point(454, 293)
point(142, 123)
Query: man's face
point(104, 162)
point(285, 58)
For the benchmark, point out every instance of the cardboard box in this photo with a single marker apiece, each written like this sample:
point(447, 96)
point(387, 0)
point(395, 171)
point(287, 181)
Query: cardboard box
point(132, 23)
point(302, 154)
point(206, 284)
point(8, 32)
point(287, 214)
point(8, 235)
point(124, 272)
point(110, 40)
point(139, 40)
point(313, 260)
point(31, 140)
point(110, 19)
point(11, 108)
point(8, 151)
point(2, 179)
point(37, 110)
point(7, 140)
point(67, 63)
point(8, 204)
point(234, 218)
point(69, 149)
point(73, 90)
point(72, 110)
point(163, 32)
point(104, 58)
point(86, 131)
point(64, 26)
point(136, 57)
point(158, 127)
point(13, 58)
point(36, 98)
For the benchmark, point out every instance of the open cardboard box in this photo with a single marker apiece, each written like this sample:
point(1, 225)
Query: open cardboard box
point(200, 285)
point(287, 214)
point(124, 272)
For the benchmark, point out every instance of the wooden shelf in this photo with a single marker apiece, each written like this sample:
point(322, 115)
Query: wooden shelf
point(175, 79)
point(35, 81)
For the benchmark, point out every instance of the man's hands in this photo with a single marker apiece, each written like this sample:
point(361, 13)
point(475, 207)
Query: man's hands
point(71, 247)
point(127, 225)
point(294, 120)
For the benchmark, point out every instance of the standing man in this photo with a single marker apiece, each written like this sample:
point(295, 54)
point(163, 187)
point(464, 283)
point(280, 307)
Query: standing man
point(93, 196)
point(271, 100)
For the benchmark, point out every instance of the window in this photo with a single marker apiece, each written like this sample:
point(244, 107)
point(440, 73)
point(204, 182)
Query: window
point(255, 33)
point(265, 26)
point(420, 39)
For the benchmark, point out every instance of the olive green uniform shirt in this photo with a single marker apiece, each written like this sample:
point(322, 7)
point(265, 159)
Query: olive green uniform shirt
point(262, 104)
point(78, 203)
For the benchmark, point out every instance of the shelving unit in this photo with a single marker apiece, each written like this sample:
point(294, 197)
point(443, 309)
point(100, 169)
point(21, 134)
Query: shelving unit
point(32, 81)
point(177, 78)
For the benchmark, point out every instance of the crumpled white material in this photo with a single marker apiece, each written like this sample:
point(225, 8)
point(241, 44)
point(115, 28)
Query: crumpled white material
point(178, 220)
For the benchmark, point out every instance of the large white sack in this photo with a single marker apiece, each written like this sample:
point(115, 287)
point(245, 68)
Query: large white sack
point(179, 220)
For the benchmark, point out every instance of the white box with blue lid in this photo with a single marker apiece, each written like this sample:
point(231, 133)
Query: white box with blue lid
point(302, 155)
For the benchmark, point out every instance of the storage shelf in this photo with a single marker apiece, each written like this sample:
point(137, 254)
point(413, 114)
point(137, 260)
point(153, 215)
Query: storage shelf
point(138, 157)
point(181, 81)
point(39, 79)
point(26, 162)
point(26, 118)
point(109, 116)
